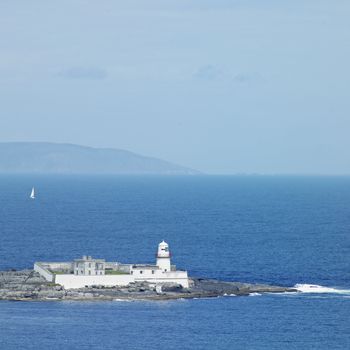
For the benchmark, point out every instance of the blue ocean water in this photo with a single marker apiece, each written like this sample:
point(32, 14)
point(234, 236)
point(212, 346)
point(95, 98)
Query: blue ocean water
point(278, 230)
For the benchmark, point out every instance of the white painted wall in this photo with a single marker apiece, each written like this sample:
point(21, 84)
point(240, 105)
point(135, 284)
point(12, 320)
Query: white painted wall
point(179, 277)
point(164, 263)
point(38, 267)
point(74, 281)
point(70, 281)
point(59, 265)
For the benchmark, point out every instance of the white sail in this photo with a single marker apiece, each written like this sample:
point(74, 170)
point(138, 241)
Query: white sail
point(32, 195)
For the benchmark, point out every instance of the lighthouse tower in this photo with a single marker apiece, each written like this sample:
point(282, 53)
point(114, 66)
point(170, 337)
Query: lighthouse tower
point(163, 257)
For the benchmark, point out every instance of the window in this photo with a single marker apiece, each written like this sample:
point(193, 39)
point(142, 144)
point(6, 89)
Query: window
point(89, 264)
point(152, 272)
point(89, 272)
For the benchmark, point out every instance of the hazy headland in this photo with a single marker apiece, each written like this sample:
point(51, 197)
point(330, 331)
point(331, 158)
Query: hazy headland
point(59, 158)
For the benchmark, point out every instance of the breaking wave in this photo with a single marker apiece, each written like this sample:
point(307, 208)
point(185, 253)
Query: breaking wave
point(316, 289)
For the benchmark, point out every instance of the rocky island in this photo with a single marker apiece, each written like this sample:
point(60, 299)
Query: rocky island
point(96, 279)
point(28, 285)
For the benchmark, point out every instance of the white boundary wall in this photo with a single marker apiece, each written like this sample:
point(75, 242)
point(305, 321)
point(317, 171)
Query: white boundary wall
point(179, 277)
point(78, 281)
point(59, 265)
point(70, 281)
point(38, 267)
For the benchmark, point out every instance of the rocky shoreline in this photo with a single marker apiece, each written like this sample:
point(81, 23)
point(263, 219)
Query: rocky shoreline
point(28, 285)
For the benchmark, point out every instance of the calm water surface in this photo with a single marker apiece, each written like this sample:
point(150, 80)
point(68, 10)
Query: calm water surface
point(279, 230)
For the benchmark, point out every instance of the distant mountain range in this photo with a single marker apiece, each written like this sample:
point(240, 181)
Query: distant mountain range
point(57, 158)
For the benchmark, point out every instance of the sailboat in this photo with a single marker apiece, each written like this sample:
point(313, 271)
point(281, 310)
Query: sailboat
point(32, 194)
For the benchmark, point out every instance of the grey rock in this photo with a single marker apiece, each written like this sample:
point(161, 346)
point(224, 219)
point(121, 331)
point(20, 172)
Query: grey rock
point(171, 287)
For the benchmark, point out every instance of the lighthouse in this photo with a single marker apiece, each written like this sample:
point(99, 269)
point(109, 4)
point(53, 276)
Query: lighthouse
point(163, 257)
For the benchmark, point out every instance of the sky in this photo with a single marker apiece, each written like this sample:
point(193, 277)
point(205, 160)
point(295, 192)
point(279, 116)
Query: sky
point(225, 87)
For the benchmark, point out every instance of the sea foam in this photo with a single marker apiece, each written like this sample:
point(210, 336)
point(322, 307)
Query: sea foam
point(316, 289)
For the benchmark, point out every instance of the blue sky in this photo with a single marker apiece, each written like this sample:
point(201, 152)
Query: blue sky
point(221, 86)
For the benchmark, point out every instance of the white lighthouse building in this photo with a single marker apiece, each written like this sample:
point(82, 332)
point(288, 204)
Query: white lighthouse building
point(163, 257)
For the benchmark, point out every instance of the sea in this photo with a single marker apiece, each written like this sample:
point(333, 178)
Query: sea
point(281, 230)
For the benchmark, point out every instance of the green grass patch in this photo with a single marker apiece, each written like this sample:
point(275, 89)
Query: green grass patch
point(52, 284)
point(114, 272)
point(61, 272)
